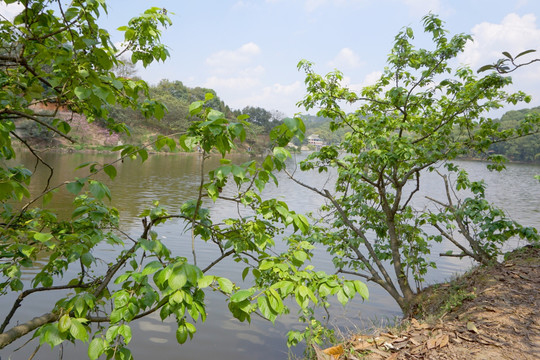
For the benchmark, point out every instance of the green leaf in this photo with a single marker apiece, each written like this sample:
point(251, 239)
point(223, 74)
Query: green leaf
point(87, 259)
point(47, 197)
point(99, 190)
point(342, 297)
point(181, 334)
point(110, 170)
point(96, 348)
point(265, 309)
point(300, 255)
point(485, 68)
point(525, 53)
point(125, 331)
point(266, 264)
point(82, 92)
point(324, 290)
point(51, 335)
point(64, 323)
point(241, 295)
point(64, 127)
point(225, 285)
point(178, 278)
point(152, 267)
point(78, 331)
point(191, 328)
point(245, 272)
point(194, 109)
point(43, 237)
point(205, 281)
point(143, 154)
point(75, 187)
point(111, 333)
point(507, 54)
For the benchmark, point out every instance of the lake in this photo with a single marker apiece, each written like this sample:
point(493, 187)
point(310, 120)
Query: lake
point(173, 179)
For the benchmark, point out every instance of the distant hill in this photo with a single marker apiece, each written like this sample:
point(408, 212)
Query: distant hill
point(526, 149)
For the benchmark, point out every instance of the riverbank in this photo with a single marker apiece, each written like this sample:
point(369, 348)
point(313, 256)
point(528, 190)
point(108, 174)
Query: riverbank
point(487, 313)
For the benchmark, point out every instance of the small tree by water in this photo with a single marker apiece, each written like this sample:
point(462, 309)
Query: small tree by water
point(421, 114)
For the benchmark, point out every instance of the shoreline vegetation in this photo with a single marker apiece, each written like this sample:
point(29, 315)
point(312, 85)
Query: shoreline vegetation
point(95, 138)
point(489, 312)
point(62, 87)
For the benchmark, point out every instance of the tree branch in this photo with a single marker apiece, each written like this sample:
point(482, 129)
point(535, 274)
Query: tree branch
point(25, 293)
point(39, 159)
point(33, 118)
point(23, 329)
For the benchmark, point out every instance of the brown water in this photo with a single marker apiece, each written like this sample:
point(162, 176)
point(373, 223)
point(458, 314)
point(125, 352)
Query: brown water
point(173, 180)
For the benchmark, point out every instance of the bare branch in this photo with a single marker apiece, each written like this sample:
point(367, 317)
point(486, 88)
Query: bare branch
point(25, 293)
point(23, 329)
point(33, 118)
point(39, 159)
point(223, 256)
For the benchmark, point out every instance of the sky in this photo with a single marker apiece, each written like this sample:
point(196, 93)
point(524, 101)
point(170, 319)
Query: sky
point(248, 50)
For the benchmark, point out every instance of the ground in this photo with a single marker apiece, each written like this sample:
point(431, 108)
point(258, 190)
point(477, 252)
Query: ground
point(490, 313)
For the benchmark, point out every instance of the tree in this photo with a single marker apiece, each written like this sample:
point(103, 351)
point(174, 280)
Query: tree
point(56, 56)
point(419, 116)
point(125, 69)
point(259, 116)
point(523, 149)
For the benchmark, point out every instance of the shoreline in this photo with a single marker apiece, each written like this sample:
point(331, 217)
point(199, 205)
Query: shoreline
point(487, 313)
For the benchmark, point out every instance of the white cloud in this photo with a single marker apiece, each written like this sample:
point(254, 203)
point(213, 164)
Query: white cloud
point(514, 34)
point(276, 97)
point(10, 11)
point(241, 80)
point(368, 80)
point(231, 60)
point(234, 73)
point(346, 58)
point(235, 83)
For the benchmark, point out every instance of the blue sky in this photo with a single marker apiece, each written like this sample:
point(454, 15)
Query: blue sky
point(247, 50)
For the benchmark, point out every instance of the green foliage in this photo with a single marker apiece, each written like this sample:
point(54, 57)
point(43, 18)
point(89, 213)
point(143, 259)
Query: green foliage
point(260, 117)
point(521, 148)
point(176, 117)
point(320, 126)
point(509, 63)
point(55, 57)
point(420, 113)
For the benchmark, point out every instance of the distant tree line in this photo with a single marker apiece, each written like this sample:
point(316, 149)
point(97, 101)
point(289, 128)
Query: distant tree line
point(177, 97)
point(526, 149)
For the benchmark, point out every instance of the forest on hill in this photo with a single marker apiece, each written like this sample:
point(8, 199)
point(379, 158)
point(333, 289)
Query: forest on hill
point(177, 97)
point(525, 149)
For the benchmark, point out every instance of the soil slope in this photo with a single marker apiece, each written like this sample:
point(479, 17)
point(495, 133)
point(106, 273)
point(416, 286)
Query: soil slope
point(495, 315)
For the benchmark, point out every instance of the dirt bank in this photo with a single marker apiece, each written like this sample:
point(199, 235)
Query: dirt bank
point(489, 313)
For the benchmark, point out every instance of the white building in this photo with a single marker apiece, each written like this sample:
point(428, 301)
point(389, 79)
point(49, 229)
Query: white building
point(316, 141)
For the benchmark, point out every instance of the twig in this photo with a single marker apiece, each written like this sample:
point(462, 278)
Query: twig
point(223, 256)
point(197, 207)
point(33, 118)
point(25, 293)
point(39, 159)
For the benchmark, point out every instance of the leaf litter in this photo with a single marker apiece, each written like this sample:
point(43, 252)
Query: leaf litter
point(501, 321)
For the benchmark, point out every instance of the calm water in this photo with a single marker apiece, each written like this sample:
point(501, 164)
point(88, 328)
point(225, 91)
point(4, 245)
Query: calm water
point(172, 180)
